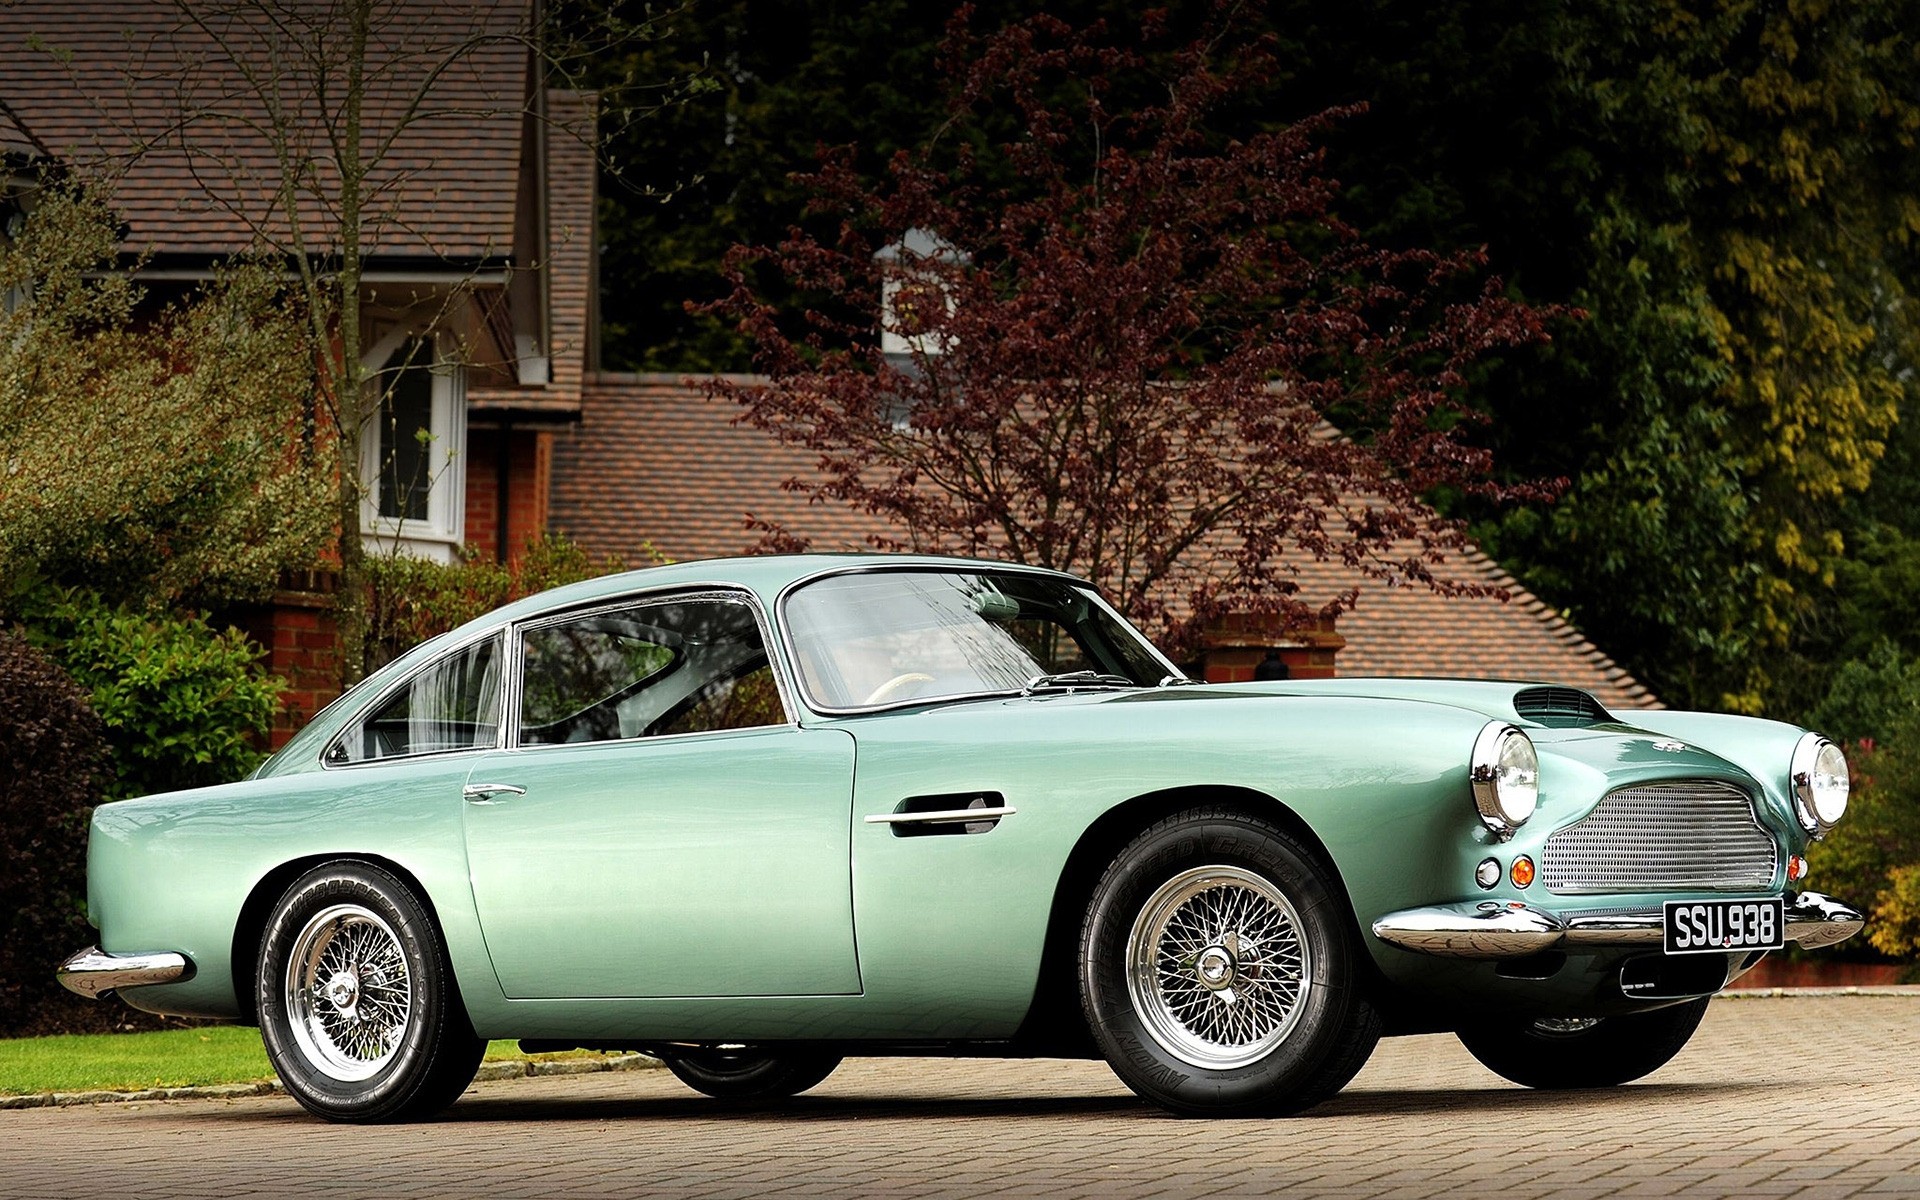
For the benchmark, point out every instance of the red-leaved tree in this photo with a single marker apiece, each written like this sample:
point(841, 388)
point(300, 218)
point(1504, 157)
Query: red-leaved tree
point(1121, 334)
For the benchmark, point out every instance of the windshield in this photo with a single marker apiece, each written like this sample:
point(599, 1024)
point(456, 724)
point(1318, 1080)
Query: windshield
point(890, 637)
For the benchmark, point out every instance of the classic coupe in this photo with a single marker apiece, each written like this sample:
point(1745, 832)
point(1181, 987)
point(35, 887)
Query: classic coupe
point(751, 816)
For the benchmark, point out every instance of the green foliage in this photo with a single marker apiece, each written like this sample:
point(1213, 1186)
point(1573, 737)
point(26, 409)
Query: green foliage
point(155, 453)
point(51, 755)
point(1872, 858)
point(1729, 192)
point(411, 599)
point(1871, 699)
point(184, 705)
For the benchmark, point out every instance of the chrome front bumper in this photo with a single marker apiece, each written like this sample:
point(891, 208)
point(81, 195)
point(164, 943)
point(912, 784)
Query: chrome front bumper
point(1491, 929)
point(96, 974)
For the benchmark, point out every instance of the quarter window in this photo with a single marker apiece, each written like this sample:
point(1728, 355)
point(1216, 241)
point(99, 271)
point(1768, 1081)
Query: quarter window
point(452, 705)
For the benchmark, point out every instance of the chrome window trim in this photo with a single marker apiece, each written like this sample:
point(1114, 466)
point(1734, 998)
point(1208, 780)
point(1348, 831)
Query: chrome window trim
point(727, 592)
point(380, 697)
point(934, 566)
point(655, 739)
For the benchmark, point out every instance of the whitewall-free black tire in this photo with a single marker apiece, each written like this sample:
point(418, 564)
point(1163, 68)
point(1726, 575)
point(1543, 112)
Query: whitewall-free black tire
point(357, 1002)
point(1219, 970)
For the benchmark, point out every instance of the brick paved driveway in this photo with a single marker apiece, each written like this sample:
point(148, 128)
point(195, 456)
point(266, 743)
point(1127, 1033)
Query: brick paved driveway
point(1810, 1097)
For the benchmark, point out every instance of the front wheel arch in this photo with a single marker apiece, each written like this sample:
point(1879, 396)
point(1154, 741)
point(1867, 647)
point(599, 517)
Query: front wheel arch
point(252, 922)
point(1054, 1020)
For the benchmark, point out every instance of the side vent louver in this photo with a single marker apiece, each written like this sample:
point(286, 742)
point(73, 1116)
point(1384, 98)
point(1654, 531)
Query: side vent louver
point(1559, 706)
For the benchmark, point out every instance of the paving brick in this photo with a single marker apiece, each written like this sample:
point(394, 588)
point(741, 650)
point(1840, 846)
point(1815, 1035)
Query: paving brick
point(1421, 1120)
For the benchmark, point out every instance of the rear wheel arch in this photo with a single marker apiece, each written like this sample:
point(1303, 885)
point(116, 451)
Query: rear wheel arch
point(1055, 1018)
point(252, 923)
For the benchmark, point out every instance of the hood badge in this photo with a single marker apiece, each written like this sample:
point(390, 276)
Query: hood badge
point(1670, 747)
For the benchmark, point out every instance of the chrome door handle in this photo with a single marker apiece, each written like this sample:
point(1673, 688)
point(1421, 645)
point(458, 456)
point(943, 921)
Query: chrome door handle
point(483, 793)
point(948, 816)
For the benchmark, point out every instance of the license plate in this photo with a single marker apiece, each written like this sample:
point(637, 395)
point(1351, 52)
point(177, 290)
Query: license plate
point(1720, 926)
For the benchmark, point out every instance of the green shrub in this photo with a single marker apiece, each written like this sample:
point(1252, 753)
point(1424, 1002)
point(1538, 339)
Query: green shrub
point(1872, 859)
point(410, 599)
point(184, 705)
point(154, 452)
point(51, 757)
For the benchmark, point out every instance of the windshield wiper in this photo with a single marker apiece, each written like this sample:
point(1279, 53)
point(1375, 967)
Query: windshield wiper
point(1076, 679)
point(1176, 681)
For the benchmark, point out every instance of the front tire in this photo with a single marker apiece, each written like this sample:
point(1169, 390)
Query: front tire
point(1555, 1054)
point(1219, 972)
point(749, 1073)
point(358, 1007)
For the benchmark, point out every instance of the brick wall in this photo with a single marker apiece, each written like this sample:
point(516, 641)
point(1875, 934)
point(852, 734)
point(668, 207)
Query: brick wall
point(529, 470)
point(300, 640)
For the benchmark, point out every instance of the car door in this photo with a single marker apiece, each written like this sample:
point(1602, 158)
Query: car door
point(659, 827)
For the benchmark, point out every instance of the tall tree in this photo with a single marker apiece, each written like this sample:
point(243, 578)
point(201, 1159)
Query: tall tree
point(1728, 189)
point(1120, 334)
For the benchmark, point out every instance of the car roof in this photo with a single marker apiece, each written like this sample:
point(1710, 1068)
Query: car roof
point(767, 575)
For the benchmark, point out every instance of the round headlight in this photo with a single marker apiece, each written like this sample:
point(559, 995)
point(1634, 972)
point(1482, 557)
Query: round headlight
point(1506, 777)
point(1819, 778)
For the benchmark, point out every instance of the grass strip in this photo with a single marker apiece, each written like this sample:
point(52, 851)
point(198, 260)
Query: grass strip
point(129, 1062)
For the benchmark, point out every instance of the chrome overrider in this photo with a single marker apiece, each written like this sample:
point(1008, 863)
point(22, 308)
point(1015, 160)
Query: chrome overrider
point(96, 974)
point(1510, 929)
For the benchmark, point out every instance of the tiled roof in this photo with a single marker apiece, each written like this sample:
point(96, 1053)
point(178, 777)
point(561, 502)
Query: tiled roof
point(1412, 630)
point(567, 272)
point(14, 137)
point(130, 86)
point(653, 462)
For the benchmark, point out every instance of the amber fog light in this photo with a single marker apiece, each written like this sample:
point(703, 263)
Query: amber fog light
point(1487, 873)
point(1522, 873)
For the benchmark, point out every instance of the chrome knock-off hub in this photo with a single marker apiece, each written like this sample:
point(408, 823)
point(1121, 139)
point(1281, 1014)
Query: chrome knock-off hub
point(1215, 968)
point(343, 992)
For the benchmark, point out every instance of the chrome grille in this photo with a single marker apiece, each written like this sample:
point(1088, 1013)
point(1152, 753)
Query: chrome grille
point(1695, 834)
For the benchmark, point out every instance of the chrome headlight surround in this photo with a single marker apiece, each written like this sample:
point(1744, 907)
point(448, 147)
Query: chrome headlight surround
point(1818, 777)
point(1505, 770)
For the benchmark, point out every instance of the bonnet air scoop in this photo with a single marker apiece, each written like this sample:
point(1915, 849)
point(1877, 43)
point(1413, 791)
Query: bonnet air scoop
point(1559, 707)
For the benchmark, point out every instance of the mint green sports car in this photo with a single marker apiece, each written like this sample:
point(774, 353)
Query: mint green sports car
point(754, 815)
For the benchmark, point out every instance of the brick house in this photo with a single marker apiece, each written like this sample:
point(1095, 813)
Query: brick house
point(478, 229)
point(654, 466)
point(482, 253)
point(478, 233)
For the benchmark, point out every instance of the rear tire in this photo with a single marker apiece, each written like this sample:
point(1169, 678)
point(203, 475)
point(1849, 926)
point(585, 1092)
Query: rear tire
point(748, 1072)
point(1219, 970)
point(358, 1007)
point(1555, 1055)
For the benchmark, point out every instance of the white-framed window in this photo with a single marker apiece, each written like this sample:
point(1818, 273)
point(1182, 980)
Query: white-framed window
point(413, 449)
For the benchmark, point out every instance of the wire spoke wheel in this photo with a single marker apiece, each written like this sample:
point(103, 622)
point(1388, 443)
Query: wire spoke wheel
point(349, 994)
point(1217, 966)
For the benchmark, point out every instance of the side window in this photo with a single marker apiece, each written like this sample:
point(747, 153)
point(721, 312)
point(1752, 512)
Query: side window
point(452, 705)
point(751, 700)
point(575, 675)
point(689, 665)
